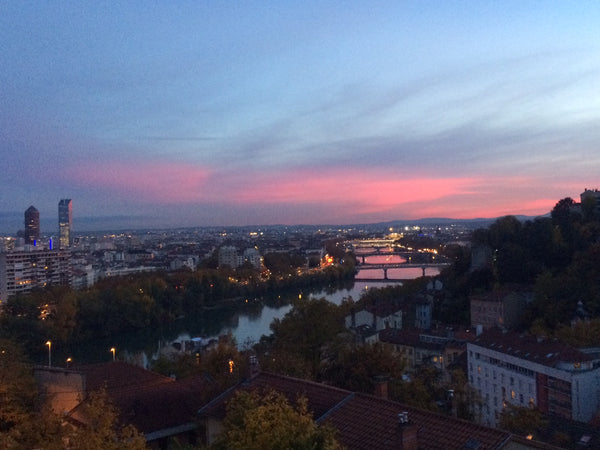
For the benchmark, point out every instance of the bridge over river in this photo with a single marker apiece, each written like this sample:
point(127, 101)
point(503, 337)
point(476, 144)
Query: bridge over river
point(402, 265)
point(383, 255)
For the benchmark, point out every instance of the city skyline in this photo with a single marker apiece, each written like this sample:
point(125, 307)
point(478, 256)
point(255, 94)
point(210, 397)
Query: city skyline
point(314, 113)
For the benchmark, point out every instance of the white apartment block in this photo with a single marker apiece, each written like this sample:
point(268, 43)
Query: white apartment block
point(228, 256)
point(25, 269)
point(560, 380)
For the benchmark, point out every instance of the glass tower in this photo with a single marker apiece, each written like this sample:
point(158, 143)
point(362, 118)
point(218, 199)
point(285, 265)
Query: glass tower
point(32, 225)
point(65, 222)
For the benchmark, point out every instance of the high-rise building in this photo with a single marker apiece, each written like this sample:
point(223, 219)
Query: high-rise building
point(32, 225)
point(65, 222)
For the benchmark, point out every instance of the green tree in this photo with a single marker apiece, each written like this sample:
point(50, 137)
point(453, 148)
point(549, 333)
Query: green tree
point(522, 420)
point(356, 367)
point(266, 420)
point(307, 329)
point(18, 391)
point(100, 428)
point(423, 389)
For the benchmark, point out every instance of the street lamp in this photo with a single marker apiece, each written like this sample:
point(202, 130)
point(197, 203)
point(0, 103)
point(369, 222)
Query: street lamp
point(49, 344)
point(113, 350)
point(69, 359)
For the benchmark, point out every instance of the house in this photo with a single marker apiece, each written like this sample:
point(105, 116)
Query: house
point(500, 308)
point(378, 316)
point(161, 408)
point(417, 347)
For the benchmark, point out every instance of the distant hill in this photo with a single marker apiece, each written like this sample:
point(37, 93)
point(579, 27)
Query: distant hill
point(11, 222)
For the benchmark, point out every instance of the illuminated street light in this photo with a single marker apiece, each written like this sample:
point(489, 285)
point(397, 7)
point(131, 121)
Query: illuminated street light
point(113, 350)
point(231, 366)
point(49, 344)
point(69, 359)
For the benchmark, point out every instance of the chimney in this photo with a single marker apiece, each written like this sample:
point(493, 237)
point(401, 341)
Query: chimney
point(406, 433)
point(381, 386)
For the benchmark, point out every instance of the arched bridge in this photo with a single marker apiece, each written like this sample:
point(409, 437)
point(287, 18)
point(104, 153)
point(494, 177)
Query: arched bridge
point(404, 265)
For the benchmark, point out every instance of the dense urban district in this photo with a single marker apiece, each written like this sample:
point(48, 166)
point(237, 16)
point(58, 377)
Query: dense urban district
point(501, 350)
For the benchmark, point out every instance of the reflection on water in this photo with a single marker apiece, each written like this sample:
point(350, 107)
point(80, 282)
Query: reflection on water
point(384, 259)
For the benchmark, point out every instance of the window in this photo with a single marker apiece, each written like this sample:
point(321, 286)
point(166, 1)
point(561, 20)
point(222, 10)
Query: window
point(512, 394)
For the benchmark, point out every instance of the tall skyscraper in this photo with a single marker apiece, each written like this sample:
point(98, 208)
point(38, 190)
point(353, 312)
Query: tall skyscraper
point(65, 222)
point(32, 225)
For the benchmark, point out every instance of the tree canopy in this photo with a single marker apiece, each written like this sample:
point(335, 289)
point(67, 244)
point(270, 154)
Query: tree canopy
point(266, 420)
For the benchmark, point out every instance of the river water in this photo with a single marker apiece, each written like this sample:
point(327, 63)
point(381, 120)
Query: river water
point(248, 327)
point(247, 324)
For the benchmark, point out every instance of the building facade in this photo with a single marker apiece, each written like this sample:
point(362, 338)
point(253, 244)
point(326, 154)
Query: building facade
point(65, 222)
point(499, 308)
point(32, 226)
point(506, 368)
point(23, 270)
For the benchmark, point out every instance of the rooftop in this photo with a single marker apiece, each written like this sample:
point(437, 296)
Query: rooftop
point(548, 352)
point(365, 421)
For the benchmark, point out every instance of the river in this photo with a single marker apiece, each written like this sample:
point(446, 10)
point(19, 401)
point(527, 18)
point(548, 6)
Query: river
point(246, 324)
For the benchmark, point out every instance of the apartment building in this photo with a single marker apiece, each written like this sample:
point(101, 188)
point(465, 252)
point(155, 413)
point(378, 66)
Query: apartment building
point(508, 368)
point(33, 267)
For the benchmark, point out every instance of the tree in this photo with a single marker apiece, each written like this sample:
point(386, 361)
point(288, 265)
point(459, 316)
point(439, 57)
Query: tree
point(355, 367)
point(421, 391)
point(100, 428)
point(522, 420)
point(18, 390)
point(306, 329)
point(266, 420)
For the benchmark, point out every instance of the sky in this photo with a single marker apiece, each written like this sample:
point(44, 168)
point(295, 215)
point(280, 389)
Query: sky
point(211, 113)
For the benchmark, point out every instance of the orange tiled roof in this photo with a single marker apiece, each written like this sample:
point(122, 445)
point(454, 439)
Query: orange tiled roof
point(368, 422)
point(145, 399)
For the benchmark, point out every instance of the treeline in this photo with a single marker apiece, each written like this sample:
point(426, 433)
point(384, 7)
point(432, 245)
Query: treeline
point(122, 304)
point(557, 257)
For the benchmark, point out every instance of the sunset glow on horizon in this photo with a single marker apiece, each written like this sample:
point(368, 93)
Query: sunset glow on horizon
point(195, 114)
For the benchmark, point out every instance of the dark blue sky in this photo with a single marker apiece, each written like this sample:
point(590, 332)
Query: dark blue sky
point(232, 113)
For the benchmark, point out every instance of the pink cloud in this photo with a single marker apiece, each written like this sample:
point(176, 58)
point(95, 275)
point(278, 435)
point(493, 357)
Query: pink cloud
point(368, 191)
point(147, 181)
